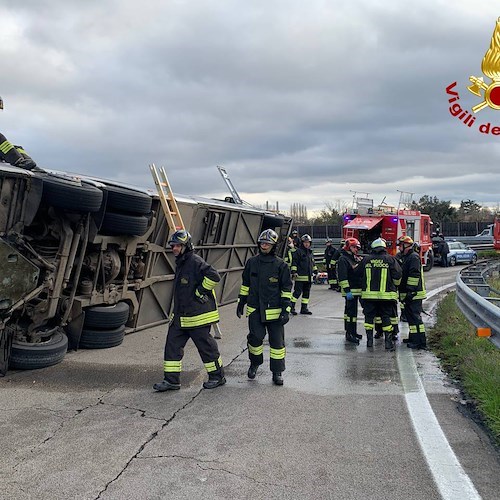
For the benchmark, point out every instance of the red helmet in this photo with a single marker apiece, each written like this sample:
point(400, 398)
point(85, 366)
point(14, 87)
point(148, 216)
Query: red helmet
point(352, 242)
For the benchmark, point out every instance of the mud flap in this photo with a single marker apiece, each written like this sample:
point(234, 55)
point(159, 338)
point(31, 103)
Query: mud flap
point(73, 331)
point(5, 349)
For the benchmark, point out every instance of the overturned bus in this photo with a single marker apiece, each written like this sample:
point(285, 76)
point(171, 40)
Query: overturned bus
point(84, 261)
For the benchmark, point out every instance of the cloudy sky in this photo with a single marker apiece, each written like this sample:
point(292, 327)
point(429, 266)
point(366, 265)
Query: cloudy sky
point(300, 101)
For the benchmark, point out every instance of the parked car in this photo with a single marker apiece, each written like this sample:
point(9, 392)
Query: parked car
point(460, 253)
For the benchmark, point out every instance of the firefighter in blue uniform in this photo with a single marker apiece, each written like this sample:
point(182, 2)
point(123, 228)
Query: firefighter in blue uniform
point(266, 290)
point(303, 268)
point(15, 155)
point(195, 309)
point(412, 292)
point(350, 276)
point(382, 276)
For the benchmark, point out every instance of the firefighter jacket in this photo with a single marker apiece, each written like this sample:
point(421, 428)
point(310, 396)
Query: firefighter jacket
point(331, 256)
point(10, 153)
point(289, 256)
point(381, 277)
point(266, 287)
point(350, 272)
point(195, 279)
point(412, 280)
point(303, 264)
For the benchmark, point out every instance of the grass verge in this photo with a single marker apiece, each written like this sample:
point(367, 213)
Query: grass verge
point(473, 361)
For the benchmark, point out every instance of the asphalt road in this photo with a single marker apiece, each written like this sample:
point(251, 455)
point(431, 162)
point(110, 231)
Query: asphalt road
point(349, 423)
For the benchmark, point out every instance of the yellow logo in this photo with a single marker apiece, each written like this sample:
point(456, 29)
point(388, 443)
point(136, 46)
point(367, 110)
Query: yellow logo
point(491, 68)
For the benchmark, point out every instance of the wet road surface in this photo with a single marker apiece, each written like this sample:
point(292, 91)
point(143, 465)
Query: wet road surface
point(340, 427)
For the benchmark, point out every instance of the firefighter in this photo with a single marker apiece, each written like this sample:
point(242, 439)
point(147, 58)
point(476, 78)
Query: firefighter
point(350, 276)
point(330, 260)
point(296, 238)
point(195, 309)
point(303, 267)
point(381, 277)
point(15, 155)
point(266, 289)
point(290, 249)
point(412, 292)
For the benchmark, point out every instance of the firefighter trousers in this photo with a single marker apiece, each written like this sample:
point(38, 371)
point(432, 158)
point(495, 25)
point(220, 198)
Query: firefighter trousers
point(413, 311)
point(208, 349)
point(351, 314)
point(276, 333)
point(332, 276)
point(384, 309)
point(301, 288)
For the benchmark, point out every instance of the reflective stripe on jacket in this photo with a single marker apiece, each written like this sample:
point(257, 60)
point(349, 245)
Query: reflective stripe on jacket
point(350, 272)
point(381, 277)
point(303, 264)
point(194, 277)
point(412, 279)
point(266, 286)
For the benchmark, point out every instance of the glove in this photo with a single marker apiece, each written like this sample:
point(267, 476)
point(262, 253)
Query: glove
point(349, 296)
point(294, 275)
point(239, 309)
point(284, 317)
point(201, 297)
point(409, 296)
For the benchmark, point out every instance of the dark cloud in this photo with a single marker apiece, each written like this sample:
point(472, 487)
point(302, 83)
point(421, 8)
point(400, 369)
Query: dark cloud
point(299, 102)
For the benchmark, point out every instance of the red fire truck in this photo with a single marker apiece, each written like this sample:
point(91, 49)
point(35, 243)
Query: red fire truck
point(496, 233)
point(390, 224)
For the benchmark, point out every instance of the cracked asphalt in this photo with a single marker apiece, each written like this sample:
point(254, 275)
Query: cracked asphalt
point(93, 428)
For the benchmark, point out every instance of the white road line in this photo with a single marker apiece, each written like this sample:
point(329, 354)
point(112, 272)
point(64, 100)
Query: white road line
point(449, 476)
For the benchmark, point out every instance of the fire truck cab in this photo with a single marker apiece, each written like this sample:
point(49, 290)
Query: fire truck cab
point(390, 223)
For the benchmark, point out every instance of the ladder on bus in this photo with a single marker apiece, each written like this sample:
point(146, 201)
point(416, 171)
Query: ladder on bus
point(167, 198)
point(171, 210)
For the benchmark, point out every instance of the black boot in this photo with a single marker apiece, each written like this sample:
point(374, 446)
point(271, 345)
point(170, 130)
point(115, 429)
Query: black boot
point(417, 341)
point(351, 338)
point(389, 343)
point(252, 371)
point(304, 309)
point(277, 378)
point(165, 385)
point(293, 312)
point(215, 379)
point(369, 339)
point(357, 335)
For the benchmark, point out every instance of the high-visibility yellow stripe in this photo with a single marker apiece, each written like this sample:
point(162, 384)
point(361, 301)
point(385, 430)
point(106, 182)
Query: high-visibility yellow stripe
point(6, 146)
point(305, 301)
point(172, 366)
point(379, 295)
point(412, 281)
point(213, 366)
point(286, 295)
point(344, 283)
point(302, 278)
point(250, 310)
point(255, 350)
point(244, 290)
point(277, 353)
point(208, 284)
point(369, 326)
point(383, 280)
point(200, 319)
point(273, 314)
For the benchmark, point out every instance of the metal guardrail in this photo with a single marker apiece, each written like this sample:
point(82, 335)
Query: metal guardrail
point(473, 297)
